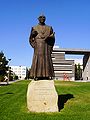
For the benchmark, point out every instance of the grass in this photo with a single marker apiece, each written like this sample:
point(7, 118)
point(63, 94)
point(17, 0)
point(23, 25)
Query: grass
point(74, 102)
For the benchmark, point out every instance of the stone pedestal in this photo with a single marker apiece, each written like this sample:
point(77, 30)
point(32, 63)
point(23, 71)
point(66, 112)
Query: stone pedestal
point(42, 96)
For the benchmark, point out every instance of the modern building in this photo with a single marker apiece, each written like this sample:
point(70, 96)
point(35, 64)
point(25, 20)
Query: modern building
point(20, 71)
point(64, 68)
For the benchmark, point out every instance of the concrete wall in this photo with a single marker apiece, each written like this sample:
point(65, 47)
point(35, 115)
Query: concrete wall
point(86, 67)
point(63, 69)
point(61, 64)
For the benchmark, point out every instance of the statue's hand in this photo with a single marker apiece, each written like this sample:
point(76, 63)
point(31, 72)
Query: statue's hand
point(34, 33)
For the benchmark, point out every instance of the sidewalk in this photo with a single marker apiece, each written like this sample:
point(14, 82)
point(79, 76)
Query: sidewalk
point(82, 81)
point(5, 83)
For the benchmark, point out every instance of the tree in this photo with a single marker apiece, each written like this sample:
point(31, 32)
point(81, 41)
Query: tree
point(3, 66)
point(78, 72)
point(76, 76)
point(15, 77)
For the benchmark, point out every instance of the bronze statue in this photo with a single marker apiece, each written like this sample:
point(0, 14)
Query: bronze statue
point(42, 40)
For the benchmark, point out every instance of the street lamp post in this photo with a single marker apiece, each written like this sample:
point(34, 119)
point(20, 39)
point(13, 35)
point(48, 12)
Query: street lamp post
point(8, 70)
point(0, 66)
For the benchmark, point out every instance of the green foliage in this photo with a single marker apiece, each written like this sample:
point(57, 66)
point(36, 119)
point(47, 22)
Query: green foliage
point(1, 78)
point(15, 77)
point(78, 72)
point(13, 102)
point(3, 63)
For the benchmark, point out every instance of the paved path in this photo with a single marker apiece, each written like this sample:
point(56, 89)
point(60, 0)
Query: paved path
point(82, 81)
point(5, 83)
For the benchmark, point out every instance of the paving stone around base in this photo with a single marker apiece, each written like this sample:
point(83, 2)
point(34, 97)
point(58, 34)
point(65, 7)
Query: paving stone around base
point(42, 96)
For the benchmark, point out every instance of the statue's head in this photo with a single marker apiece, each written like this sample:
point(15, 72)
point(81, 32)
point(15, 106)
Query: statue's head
point(42, 19)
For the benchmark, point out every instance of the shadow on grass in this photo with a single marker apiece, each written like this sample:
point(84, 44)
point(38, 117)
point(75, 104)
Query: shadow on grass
point(9, 93)
point(62, 99)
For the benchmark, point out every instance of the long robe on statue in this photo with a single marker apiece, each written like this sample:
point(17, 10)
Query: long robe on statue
point(42, 43)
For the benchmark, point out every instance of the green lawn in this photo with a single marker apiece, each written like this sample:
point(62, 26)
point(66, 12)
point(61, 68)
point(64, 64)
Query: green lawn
point(74, 102)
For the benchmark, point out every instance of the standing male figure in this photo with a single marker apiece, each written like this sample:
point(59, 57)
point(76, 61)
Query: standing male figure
point(42, 39)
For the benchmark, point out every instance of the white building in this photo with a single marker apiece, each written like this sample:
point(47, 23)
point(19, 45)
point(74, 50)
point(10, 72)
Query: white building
point(77, 61)
point(20, 71)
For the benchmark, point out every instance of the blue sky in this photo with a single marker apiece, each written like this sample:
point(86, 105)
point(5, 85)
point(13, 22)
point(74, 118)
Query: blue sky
point(70, 20)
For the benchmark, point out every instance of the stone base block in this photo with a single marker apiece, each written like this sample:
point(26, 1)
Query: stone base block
point(42, 96)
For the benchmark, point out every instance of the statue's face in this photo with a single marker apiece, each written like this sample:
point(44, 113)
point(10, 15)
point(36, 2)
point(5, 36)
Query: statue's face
point(42, 19)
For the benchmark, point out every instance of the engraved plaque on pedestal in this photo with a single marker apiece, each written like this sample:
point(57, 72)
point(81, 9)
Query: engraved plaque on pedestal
point(42, 96)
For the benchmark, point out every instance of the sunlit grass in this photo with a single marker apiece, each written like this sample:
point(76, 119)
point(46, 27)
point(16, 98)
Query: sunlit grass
point(13, 102)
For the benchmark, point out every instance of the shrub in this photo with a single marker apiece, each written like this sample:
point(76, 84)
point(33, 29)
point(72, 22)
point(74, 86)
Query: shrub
point(1, 78)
